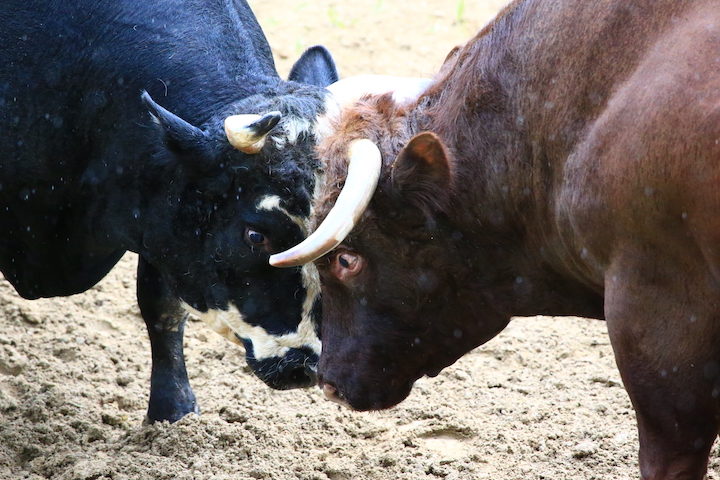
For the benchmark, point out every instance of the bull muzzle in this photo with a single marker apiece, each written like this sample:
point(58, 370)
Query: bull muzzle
point(297, 368)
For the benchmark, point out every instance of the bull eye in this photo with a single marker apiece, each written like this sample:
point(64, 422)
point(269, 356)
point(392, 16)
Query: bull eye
point(256, 238)
point(347, 264)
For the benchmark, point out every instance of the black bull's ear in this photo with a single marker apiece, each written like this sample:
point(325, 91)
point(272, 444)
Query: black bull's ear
point(180, 136)
point(422, 173)
point(315, 67)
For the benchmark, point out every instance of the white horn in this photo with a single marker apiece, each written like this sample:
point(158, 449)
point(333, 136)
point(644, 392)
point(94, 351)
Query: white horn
point(247, 133)
point(365, 163)
point(404, 89)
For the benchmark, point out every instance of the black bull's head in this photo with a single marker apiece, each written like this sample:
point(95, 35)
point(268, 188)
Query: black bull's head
point(240, 190)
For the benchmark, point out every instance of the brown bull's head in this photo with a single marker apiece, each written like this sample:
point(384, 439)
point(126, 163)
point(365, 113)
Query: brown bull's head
point(394, 307)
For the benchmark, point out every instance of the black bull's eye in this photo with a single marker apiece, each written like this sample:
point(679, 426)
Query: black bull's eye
point(256, 238)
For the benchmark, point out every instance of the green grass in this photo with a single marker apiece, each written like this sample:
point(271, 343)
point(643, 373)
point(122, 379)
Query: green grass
point(460, 12)
point(335, 19)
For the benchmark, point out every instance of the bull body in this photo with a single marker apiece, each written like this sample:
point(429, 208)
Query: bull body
point(566, 161)
point(88, 170)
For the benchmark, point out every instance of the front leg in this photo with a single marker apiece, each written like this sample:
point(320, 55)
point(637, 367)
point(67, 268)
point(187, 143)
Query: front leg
point(665, 330)
point(171, 396)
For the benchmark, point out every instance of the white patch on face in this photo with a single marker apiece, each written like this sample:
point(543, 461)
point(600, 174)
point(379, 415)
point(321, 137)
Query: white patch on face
point(229, 323)
point(292, 128)
point(310, 274)
point(311, 282)
point(215, 322)
point(319, 180)
point(306, 334)
point(272, 202)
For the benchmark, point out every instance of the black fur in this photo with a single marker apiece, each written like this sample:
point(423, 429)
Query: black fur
point(312, 67)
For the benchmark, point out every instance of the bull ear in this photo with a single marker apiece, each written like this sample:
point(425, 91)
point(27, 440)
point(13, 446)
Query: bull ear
point(315, 67)
point(422, 173)
point(179, 134)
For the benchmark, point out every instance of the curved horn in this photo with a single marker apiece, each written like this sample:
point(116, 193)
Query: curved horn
point(247, 132)
point(365, 163)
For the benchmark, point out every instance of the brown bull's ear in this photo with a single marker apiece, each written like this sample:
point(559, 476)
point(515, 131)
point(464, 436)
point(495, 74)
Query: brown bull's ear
point(422, 173)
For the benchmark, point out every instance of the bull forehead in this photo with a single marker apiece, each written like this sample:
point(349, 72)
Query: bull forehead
point(274, 202)
point(291, 129)
point(270, 203)
point(294, 128)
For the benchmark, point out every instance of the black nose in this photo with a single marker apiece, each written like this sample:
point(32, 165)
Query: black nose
point(296, 369)
point(297, 376)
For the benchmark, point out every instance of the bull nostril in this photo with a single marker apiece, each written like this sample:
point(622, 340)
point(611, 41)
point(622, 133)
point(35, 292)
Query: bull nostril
point(311, 373)
point(328, 390)
point(296, 376)
point(296, 369)
point(299, 376)
point(332, 394)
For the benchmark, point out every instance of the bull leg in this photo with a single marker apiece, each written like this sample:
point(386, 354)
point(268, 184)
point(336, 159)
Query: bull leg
point(171, 396)
point(665, 331)
point(677, 421)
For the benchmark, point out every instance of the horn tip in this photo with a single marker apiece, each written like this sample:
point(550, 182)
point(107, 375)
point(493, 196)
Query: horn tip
point(281, 261)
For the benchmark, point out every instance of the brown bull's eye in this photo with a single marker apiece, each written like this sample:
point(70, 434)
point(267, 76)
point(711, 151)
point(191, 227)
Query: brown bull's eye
point(347, 264)
point(343, 261)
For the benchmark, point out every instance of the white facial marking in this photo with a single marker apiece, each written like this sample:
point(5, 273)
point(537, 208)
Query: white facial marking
point(292, 128)
point(215, 322)
point(272, 202)
point(311, 282)
point(229, 323)
point(310, 275)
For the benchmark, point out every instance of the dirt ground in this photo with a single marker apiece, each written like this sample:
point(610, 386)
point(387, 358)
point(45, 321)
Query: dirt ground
point(541, 401)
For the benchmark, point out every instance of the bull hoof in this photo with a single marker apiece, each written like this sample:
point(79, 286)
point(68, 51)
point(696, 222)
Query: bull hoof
point(170, 417)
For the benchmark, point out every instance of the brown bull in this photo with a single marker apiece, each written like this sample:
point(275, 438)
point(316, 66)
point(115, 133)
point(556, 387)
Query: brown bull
point(566, 161)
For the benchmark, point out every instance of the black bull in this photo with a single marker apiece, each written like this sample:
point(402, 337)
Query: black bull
point(88, 170)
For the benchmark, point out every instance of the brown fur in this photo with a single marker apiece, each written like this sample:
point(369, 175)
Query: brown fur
point(584, 144)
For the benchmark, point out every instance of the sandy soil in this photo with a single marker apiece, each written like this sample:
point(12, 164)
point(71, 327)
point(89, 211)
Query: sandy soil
point(542, 401)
